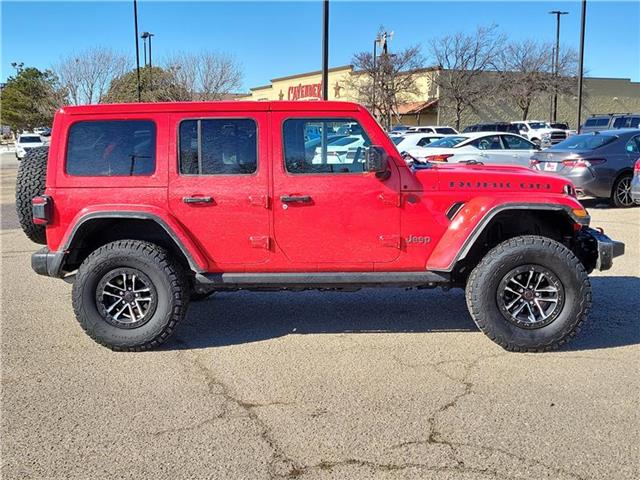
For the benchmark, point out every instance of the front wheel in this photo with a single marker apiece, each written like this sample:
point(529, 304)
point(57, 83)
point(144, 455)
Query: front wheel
point(129, 295)
point(529, 294)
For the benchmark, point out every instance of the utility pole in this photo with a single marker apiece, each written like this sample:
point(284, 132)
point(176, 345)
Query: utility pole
point(583, 18)
point(325, 50)
point(135, 21)
point(556, 66)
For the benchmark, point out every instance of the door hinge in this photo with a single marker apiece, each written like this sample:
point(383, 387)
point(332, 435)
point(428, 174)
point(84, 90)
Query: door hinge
point(260, 242)
point(259, 200)
point(394, 199)
point(393, 241)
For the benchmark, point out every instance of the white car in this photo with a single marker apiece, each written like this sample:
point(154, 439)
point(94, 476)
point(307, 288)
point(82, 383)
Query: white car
point(412, 140)
point(540, 133)
point(337, 150)
point(26, 142)
point(443, 130)
point(487, 147)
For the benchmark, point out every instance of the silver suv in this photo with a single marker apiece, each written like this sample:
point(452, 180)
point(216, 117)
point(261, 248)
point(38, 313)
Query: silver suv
point(611, 121)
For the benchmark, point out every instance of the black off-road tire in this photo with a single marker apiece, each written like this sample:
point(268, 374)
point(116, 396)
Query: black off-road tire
point(30, 182)
point(484, 281)
point(166, 276)
point(621, 192)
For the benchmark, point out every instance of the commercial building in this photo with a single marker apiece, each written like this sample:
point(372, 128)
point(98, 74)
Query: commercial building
point(601, 95)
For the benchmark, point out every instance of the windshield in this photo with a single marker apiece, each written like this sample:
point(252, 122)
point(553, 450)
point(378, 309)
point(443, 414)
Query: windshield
point(537, 125)
point(447, 142)
point(31, 139)
point(583, 142)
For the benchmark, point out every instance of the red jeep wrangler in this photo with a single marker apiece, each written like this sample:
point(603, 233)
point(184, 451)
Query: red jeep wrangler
point(148, 206)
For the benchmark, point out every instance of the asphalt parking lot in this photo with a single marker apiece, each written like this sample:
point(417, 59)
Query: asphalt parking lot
point(382, 383)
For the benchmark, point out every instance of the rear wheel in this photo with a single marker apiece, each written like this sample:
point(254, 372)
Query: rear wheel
point(129, 295)
point(529, 293)
point(621, 192)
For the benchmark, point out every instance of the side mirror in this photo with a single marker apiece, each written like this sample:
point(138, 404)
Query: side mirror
point(375, 161)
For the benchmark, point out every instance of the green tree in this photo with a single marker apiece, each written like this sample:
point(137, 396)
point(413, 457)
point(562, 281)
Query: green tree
point(158, 85)
point(30, 98)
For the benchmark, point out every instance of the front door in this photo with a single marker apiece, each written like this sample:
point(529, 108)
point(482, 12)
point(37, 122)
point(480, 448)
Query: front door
point(220, 189)
point(327, 209)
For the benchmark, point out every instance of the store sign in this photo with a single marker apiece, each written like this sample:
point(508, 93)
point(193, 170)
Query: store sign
point(305, 91)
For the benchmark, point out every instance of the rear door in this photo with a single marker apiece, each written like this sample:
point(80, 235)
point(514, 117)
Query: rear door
point(492, 150)
point(218, 187)
point(519, 149)
point(330, 212)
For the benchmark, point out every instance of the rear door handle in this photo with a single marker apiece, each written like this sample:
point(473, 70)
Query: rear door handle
point(295, 199)
point(197, 199)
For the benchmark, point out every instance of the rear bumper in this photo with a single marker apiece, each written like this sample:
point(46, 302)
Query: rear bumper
point(47, 263)
point(607, 249)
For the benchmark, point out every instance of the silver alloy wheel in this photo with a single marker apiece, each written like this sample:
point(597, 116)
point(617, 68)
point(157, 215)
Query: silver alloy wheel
point(126, 297)
point(623, 192)
point(530, 296)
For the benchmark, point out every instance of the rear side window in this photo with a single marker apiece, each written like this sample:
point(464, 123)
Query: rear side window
point(218, 147)
point(111, 148)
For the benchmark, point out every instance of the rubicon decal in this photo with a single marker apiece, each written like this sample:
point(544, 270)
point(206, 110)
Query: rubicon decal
point(500, 185)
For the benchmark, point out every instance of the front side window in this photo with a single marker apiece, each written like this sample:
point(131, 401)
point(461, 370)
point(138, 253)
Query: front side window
point(516, 143)
point(110, 148)
point(339, 148)
point(218, 147)
point(423, 142)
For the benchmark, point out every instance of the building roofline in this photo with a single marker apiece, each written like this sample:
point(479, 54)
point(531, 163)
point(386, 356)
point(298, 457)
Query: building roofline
point(315, 72)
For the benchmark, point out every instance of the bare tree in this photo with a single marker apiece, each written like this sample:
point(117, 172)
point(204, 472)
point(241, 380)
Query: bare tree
point(205, 75)
point(86, 76)
point(527, 72)
point(463, 60)
point(386, 83)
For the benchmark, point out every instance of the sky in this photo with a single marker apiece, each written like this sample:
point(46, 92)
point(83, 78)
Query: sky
point(275, 39)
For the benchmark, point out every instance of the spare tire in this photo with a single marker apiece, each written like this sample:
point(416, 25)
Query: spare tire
point(31, 181)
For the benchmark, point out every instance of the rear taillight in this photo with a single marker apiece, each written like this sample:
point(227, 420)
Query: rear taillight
point(636, 167)
point(582, 163)
point(42, 208)
point(439, 158)
point(533, 162)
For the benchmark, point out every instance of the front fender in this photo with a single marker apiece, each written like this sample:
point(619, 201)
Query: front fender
point(467, 226)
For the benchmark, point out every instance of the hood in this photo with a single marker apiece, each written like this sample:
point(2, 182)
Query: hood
point(493, 178)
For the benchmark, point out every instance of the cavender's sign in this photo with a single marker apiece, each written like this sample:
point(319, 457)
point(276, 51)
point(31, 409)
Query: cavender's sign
point(302, 91)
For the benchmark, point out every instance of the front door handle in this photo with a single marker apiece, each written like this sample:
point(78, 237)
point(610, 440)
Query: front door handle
point(295, 199)
point(197, 199)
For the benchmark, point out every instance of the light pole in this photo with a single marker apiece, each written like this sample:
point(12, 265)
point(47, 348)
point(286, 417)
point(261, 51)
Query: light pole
point(375, 77)
point(325, 50)
point(135, 22)
point(556, 66)
point(583, 18)
point(145, 36)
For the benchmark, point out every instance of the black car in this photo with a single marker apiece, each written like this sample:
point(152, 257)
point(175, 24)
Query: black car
point(492, 127)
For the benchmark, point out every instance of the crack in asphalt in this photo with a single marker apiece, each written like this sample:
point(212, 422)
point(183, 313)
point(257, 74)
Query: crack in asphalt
point(436, 437)
point(282, 466)
point(218, 388)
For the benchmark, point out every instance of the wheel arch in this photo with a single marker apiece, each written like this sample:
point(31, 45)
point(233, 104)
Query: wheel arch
point(507, 221)
point(96, 229)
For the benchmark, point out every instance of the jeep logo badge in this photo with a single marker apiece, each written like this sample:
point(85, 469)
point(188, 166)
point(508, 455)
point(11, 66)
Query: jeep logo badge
point(418, 239)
